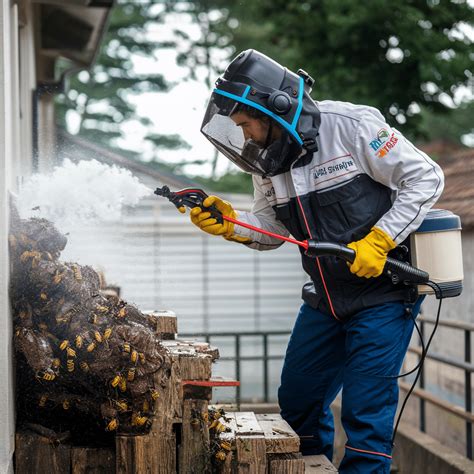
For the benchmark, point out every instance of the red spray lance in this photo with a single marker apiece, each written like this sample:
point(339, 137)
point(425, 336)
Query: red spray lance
point(395, 269)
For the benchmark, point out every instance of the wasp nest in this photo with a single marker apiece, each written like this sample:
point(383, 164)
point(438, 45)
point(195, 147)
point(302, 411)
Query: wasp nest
point(85, 362)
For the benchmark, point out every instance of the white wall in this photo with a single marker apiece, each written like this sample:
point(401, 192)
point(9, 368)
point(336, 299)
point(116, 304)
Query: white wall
point(8, 134)
point(17, 79)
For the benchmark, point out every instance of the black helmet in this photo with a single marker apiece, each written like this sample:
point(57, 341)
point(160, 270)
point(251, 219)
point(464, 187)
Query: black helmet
point(263, 89)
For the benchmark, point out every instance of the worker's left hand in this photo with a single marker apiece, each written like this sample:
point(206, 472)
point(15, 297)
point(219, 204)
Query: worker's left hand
point(206, 222)
point(371, 253)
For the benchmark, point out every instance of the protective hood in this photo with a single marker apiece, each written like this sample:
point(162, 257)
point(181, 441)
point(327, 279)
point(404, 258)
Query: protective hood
point(261, 89)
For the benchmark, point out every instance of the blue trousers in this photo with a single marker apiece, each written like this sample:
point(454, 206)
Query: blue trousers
point(324, 355)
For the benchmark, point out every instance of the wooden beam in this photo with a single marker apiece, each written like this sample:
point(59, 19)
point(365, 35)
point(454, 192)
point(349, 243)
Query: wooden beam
point(318, 464)
point(287, 463)
point(279, 436)
point(251, 455)
point(194, 449)
point(92, 461)
point(35, 454)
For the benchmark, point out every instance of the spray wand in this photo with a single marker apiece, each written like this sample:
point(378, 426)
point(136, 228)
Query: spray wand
point(397, 270)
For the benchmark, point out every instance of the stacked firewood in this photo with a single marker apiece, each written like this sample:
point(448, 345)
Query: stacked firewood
point(85, 362)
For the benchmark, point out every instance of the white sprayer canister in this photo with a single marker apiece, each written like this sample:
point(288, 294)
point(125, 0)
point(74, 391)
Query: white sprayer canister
point(436, 248)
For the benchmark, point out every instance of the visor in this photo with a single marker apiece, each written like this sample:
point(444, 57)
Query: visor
point(253, 157)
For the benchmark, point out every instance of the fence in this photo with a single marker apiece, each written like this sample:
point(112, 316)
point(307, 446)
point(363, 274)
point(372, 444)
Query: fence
point(419, 392)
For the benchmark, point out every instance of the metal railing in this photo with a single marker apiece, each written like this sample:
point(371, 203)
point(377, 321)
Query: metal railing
point(464, 365)
point(420, 392)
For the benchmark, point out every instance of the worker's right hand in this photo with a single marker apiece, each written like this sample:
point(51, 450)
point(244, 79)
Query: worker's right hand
point(206, 222)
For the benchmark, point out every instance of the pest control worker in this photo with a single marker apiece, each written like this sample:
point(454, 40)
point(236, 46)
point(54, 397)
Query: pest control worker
point(329, 171)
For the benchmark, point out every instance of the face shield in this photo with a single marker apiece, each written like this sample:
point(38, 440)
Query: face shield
point(249, 137)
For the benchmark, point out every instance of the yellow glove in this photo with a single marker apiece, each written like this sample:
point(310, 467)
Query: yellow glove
point(209, 224)
point(371, 253)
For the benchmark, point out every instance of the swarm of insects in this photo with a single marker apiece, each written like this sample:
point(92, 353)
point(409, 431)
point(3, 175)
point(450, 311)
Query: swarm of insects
point(220, 448)
point(84, 360)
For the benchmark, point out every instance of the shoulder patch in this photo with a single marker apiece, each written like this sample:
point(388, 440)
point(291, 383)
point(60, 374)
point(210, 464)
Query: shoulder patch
point(383, 142)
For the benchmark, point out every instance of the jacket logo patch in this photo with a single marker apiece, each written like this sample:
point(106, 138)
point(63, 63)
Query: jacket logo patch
point(334, 168)
point(383, 143)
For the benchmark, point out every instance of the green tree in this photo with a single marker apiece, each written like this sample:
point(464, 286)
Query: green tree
point(101, 97)
point(397, 56)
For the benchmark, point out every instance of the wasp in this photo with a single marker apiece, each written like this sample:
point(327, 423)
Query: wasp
point(48, 256)
point(142, 357)
point(91, 346)
point(154, 394)
point(131, 374)
point(70, 352)
point(64, 344)
point(84, 366)
point(146, 406)
point(78, 341)
point(46, 375)
point(226, 445)
point(66, 404)
point(217, 426)
point(216, 414)
point(221, 455)
point(116, 380)
point(134, 356)
point(94, 319)
point(70, 365)
point(98, 336)
point(64, 318)
point(56, 363)
point(123, 385)
point(77, 272)
point(58, 276)
point(122, 313)
point(126, 347)
point(107, 333)
point(29, 254)
point(102, 309)
point(138, 420)
point(121, 405)
point(42, 401)
point(43, 296)
point(112, 425)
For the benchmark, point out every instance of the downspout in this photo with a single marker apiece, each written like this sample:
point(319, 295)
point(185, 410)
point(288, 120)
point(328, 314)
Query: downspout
point(41, 89)
point(59, 86)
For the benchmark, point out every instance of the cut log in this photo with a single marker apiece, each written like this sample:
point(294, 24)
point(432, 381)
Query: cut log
point(198, 367)
point(279, 436)
point(318, 464)
point(194, 450)
point(92, 461)
point(35, 454)
point(135, 455)
point(288, 463)
point(164, 322)
point(251, 456)
point(168, 405)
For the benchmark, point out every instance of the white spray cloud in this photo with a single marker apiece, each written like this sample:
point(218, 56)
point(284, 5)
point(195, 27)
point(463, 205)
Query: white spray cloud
point(81, 192)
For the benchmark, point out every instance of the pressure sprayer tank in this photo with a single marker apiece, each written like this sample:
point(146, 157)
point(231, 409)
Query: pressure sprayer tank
point(436, 248)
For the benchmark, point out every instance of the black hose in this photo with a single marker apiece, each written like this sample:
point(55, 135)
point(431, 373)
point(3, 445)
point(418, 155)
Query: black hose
point(395, 269)
point(439, 295)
